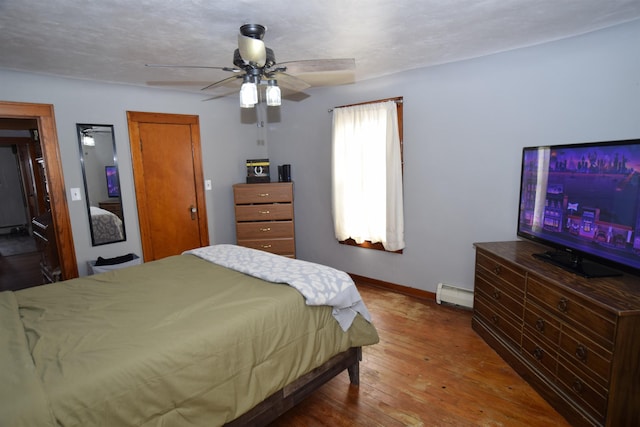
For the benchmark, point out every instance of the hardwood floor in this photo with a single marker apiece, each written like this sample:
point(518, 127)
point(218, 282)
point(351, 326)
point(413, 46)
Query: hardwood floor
point(429, 369)
point(20, 271)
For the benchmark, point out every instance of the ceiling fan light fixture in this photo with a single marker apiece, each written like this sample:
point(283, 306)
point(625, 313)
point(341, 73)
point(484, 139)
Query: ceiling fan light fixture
point(248, 93)
point(274, 98)
point(87, 139)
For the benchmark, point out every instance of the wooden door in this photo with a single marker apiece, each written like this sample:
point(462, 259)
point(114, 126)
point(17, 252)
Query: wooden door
point(167, 171)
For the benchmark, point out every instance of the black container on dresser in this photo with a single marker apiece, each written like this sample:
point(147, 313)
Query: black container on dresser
point(575, 340)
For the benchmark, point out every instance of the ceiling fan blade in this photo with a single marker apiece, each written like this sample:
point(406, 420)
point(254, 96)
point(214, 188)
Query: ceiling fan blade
point(318, 65)
point(290, 82)
point(220, 92)
point(181, 83)
point(294, 96)
point(231, 83)
point(252, 51)
point(233, 70)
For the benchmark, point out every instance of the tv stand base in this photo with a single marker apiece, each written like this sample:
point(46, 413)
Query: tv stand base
point(577, 265)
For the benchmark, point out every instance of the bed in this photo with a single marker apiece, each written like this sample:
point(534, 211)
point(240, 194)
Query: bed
point(106, 226)
point(186, 340)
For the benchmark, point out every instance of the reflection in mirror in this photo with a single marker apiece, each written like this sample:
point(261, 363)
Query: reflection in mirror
point(101, 183)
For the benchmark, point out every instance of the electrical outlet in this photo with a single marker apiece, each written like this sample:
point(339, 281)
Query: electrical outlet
point(75, 194)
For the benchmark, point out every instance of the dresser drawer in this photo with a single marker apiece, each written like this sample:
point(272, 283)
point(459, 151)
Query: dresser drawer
point(263, 193)
point(275, 246)
point(264, 230)
point(588, 395)
point(585, 354)
point(541, 324)
point(499, 296)
point(510, 275)
point(538, 352)
point(497, 320)
point(271, 212)
point(586, 317)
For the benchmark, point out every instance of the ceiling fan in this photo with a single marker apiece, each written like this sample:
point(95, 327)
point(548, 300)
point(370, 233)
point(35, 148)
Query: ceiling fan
point(255, 66)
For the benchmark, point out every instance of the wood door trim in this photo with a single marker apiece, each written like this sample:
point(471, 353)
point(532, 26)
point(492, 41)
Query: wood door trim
point(44, 115)
point(134, 118)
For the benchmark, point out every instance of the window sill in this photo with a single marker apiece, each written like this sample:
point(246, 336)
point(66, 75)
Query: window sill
point(367, 245)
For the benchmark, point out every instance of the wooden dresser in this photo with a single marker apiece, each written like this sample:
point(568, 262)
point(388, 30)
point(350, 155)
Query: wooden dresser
point(575, 340)
point(113, 206)
point(264, 217)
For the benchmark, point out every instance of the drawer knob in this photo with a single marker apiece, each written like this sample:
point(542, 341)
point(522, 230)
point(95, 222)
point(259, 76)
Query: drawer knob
point(495, 319)
point(496, 294)
point(263, 195)
point(537, 353)
point(577, 386)
point(265, 229)
point(265, 246)
point(581, 352)
point(563, 305)
point(264, 212)
point(497, 270)
point(540, 325)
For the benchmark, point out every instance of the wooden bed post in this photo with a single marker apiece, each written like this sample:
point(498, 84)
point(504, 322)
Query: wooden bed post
point(354, 370)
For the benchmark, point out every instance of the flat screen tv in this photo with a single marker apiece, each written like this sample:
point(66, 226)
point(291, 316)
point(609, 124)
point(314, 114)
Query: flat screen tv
point(583, 201)
point(113, 183)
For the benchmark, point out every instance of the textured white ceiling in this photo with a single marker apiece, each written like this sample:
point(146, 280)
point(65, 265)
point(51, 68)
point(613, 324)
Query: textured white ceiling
point(112, 40)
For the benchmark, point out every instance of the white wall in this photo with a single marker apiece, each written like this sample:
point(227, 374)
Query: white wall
point(225, 147)
point(464, 127)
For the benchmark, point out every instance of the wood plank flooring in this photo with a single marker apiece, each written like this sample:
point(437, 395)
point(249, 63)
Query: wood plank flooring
point(429, 369)
point(19, 261)
point(20, 271)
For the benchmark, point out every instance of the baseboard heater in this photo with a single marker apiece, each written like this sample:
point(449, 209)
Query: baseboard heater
point(452, 295)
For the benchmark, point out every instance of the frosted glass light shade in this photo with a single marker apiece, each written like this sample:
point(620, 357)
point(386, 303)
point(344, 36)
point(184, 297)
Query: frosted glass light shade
point(248, 95)
point(273, 94)
point(87, 140)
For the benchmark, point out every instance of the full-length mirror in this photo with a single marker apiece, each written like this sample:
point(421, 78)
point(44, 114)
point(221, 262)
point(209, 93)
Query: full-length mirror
point(101, 183)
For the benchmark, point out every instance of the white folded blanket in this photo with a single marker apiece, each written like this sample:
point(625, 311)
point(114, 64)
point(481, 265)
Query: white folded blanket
point(319, 284)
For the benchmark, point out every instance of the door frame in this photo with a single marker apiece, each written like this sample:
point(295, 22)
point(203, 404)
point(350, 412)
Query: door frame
point(134, 118)
point(44, 115)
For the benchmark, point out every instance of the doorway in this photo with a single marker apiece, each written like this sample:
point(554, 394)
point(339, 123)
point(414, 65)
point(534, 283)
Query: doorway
point(42, 117)
point(22, 199)
point(168, 176)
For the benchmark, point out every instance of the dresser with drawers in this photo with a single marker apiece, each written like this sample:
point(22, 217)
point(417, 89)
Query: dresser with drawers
point(264, 217)
point(113, 206)
point(575, 340)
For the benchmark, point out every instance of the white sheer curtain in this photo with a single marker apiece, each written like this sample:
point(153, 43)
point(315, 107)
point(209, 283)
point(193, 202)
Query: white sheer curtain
point(367, 175)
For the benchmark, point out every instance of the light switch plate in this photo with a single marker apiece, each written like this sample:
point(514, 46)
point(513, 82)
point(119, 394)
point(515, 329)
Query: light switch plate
point(75, 194)
point(207, 184)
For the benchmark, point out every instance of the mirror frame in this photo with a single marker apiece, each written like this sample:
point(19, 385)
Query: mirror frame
point(81, 129)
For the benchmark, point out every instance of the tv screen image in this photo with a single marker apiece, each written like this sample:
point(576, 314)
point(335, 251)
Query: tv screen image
point(583, 200)
point(113, 183)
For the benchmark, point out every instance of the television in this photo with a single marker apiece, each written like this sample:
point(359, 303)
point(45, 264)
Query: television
point(113, 183)
point(583, 202)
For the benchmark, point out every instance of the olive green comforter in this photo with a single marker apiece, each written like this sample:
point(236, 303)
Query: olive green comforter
point(179, 341)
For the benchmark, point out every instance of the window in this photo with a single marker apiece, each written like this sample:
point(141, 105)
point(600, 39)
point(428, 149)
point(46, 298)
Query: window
point(367, 174)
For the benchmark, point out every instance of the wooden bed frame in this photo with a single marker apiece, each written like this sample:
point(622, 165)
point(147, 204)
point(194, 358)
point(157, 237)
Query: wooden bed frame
point(289, 396)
